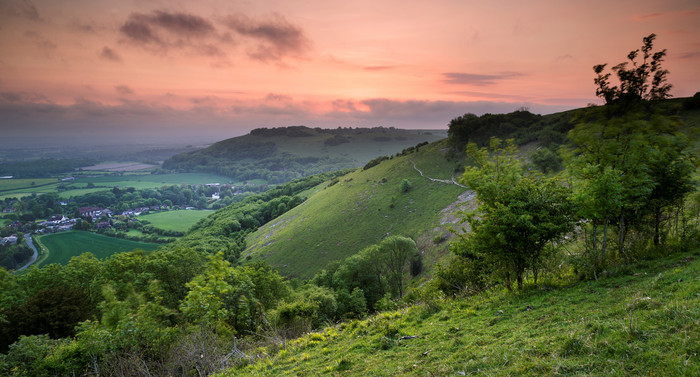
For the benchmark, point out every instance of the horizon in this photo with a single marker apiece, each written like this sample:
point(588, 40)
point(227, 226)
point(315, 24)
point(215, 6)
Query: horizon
point(102, 72)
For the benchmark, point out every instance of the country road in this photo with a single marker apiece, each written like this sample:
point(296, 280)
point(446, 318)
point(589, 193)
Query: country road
point(30, 243)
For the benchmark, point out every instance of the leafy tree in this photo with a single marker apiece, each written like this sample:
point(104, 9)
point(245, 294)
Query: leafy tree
point(645, 80)
point(520, 213)
point(630, 157)
point(397, 253)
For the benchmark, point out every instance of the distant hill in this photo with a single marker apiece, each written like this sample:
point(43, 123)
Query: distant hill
point(282, 154)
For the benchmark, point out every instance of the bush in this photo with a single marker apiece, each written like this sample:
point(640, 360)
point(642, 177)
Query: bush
point(405, 185)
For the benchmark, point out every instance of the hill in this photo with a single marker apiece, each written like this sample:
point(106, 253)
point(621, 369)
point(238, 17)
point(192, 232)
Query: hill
point(361, 209)
point(643, 321)
point(282, 154)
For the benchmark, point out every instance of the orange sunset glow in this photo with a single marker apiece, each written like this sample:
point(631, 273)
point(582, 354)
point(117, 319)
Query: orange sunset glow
point(214, 69)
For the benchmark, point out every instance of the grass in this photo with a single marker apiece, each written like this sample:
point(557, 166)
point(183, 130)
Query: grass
point(645, 321)
point(63, 246)
point(175, 220)
point(360, 210)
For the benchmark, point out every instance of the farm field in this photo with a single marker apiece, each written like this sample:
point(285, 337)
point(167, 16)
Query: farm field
point(10, 188)
point(179, 221)
point(63, 246)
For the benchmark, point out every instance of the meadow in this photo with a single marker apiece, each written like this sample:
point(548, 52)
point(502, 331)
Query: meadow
point(61, 247)
point(180, 221)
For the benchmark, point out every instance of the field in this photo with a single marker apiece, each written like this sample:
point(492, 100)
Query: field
point(179, 221)
point(102, 181)
point(643, 321)
point(63, 246)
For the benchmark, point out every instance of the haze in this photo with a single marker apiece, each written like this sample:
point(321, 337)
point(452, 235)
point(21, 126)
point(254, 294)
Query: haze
point(100, 71)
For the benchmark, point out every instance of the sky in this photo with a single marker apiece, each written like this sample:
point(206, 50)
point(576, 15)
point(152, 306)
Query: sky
point(147, 70)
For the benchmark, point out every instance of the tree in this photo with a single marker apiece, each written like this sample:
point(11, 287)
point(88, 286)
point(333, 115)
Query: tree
point(520, 213)
point(645, 80)
point(630, 156)
point(397, 253)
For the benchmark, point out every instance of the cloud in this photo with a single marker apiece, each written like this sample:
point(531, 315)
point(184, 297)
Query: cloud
point(689, 55)
point(477, 79)
point(641, 17)
point(123, 90)
point(42, 42)
point(163, 30)
point(109, 54)
point(24, 9)
point(272, 39)
point(380, 67)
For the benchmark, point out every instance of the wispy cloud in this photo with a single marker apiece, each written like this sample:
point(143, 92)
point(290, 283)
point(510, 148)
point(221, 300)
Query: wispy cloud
point(272, 39)
point(109, 54)
point(380, 67)
point(642, 17)
point(477, 79)
point(123, 90)
point(161, 31)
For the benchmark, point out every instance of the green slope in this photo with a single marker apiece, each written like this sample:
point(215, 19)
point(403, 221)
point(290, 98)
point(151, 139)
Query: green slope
point(645, 321)
point(361, 209)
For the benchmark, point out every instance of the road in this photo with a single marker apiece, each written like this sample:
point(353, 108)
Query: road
point(30, 243)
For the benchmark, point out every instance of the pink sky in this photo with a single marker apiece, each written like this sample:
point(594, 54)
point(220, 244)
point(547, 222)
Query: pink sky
point(214, 69)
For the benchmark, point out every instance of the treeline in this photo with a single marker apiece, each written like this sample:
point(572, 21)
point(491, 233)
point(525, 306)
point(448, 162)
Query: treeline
point(303, 131)
point(41, 168)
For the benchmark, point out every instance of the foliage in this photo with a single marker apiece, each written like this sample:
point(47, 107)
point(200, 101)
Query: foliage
point(631, 159)
point(405, 185)
point(520, 213)
point(645, 80)
point(569, 329)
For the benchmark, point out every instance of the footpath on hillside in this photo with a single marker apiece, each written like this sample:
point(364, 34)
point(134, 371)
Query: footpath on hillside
point(447, 181)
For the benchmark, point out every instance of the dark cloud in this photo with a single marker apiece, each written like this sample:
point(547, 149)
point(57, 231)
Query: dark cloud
point(477, 79)
point(277, 97)
point(27, 10)
point(109, 54)
point(165, 30)
point(273, 38)
point(424, 114)
point(41, 41)
point(123, 90)
point(689, 55)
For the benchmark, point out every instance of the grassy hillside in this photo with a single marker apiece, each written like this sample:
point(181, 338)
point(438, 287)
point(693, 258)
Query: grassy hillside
point(63, 246)
point(643, 321)
point(360, 210)
point(282, 154)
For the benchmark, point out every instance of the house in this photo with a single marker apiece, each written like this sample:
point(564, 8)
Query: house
point(103, 225)
point(215, 195)
point(89, 211)
point(12, 240)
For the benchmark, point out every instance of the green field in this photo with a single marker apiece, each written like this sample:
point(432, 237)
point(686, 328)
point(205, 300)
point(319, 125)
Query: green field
point(63, 246)
point(10, 188)
point(179, 221)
